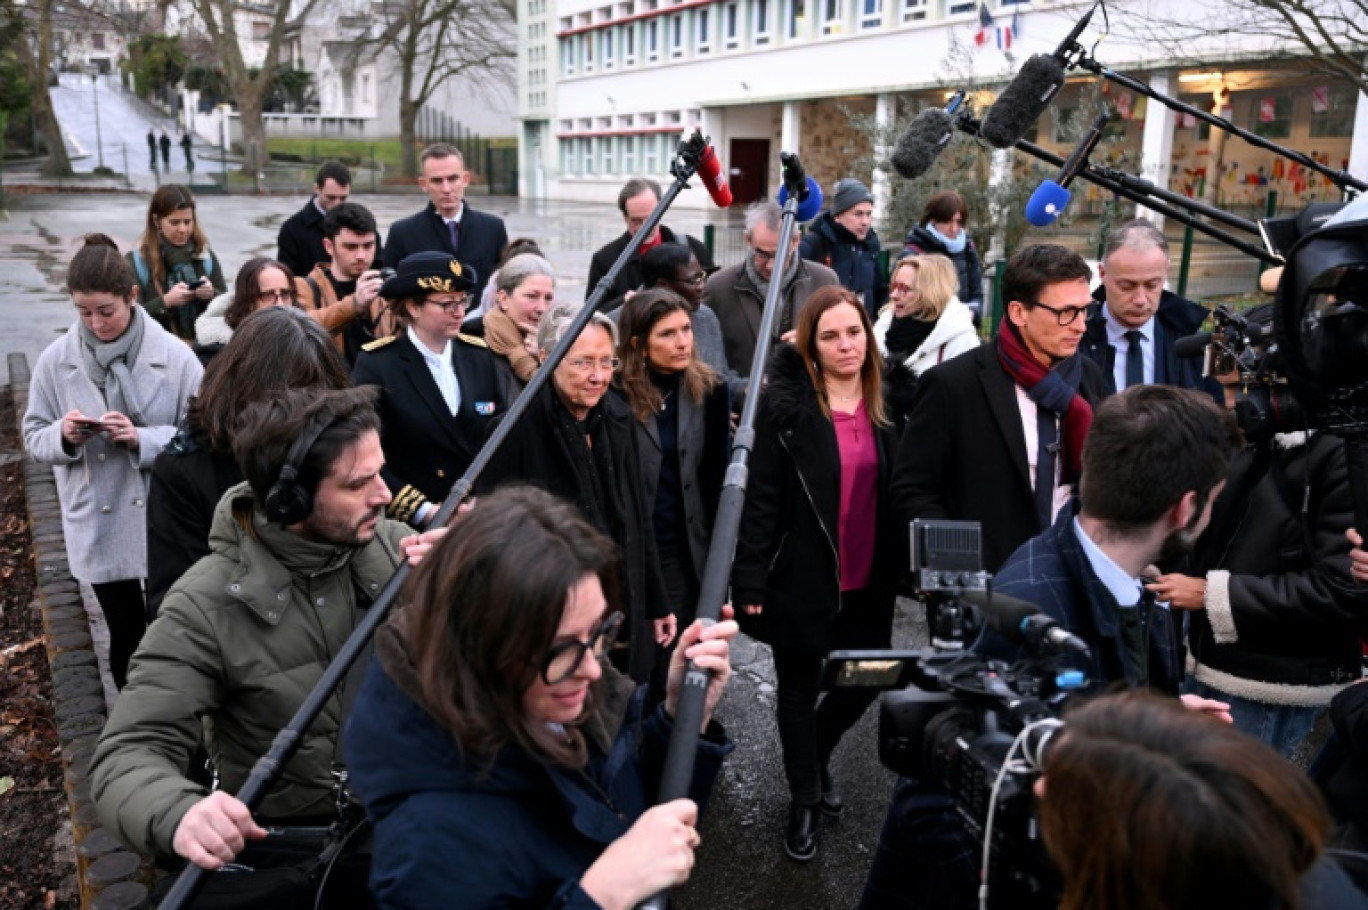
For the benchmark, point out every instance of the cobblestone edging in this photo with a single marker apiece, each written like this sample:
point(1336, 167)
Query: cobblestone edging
point(109, 876)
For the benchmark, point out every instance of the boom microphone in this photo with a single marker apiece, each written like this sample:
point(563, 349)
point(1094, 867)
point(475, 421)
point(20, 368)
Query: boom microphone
point(1026, 96)
point(809, 194)
point(1023, 623)
point(925, 139)
point(1050, 198)
point(710, 170)
point(1192, 345)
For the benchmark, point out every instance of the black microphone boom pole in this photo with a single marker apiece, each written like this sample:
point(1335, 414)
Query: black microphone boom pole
point(269, 767)
point(679, 760)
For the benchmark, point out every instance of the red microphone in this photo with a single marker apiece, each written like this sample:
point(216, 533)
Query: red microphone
point(710, 169)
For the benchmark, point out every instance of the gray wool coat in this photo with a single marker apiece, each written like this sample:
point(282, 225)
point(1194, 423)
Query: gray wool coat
point(102, 486)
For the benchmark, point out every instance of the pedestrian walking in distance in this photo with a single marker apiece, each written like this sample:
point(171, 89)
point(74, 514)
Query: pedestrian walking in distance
point(166, 150)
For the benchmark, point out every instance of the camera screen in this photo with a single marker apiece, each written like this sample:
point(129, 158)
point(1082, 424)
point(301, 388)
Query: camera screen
point(867, 673)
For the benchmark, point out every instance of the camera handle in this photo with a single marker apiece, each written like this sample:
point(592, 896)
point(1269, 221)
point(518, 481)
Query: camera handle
point(679, 760)
point(269, 767)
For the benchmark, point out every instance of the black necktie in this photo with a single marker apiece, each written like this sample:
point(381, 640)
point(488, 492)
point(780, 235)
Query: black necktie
point(1135, 359)
point(1046, 435)
point(455, 228)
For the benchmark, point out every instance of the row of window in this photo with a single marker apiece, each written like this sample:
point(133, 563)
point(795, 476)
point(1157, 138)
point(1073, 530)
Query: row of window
point(536, 54)
point(616, 156)
point(536, 99)
point(1328, 112)
point(536, 30)
point(624, 122)
point(699, 32)
point(536, 7)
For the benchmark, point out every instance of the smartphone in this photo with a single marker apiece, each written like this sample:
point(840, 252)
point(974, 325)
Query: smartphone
point(88, 426)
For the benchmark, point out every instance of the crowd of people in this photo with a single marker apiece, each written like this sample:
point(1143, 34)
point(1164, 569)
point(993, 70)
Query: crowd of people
point(241, 471)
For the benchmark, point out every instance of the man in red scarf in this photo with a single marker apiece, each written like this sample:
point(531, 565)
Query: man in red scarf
point(996, 434)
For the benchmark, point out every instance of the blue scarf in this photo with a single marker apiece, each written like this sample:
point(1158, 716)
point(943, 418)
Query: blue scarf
point(951, 246)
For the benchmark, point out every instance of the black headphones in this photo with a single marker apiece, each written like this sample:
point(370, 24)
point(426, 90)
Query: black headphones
point(288, 501)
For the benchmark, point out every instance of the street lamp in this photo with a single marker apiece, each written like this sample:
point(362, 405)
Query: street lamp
point(99, 140)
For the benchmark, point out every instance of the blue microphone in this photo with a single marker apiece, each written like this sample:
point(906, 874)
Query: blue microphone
point(1050, 199)
point(809, 197)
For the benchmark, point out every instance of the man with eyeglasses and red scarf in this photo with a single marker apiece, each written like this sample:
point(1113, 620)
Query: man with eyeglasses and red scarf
point(996, 434)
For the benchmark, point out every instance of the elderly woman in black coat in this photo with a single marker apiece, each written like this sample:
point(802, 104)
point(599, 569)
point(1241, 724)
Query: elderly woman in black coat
point(816, 561)
point(579, 441)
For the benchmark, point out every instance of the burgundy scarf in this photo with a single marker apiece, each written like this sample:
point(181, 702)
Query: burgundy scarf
point(1055, 389)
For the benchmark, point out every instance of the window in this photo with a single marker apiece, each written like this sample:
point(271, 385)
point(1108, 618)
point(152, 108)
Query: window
point(608, 147)
point(797, 18)
point(956, 9)
point(652, 155)
point(676, 36)
point(568, 157)
point(704, 22)
point(97, 40)
point(609, 38)
point(913, 10)
point(730, 37)
point(762, 21)
point(587, 147)
point(261, 31)
point(1270, 116)
point(568, 54)
point(871, 14)
point(1062, 132)
point(652, 40)
point(1332, 111)
point(587, 44)
point(629, 144)
point(629, 45)
point(832, 14)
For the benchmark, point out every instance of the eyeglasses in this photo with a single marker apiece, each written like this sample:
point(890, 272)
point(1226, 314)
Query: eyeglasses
point(284, 295)
point(899, 289)
point(584, 364)
point(1064, 314)
point(763, 255)
point(565, 658)
point(450, 305)
point(697, 280)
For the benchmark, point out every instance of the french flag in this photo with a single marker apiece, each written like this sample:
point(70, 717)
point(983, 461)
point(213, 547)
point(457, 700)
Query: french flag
point(1007, 33)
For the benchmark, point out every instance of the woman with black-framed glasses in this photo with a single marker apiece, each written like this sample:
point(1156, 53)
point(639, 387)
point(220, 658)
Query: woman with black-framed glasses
point(502, 762)
point(260, 283)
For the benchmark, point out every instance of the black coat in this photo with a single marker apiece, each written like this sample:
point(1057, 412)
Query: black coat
point(300, 243)
point(426, 448)
point(508, 380)
point(1176, 318)
point(1343, 768)
point(964, 452)
point(483, 237)
point(968, 266)
point(186, 485)
point(1295, 610)
point(546, 449)
point(855, 261)
point(787, 557)
point(629, 279)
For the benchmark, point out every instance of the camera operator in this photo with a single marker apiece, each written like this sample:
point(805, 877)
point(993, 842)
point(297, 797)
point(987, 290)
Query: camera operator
point(1197, 815)
point(1274, 614)
point(1154, 460)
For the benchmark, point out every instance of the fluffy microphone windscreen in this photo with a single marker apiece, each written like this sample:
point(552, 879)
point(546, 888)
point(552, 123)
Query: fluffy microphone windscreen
point(1022, 101)
point(926, 136)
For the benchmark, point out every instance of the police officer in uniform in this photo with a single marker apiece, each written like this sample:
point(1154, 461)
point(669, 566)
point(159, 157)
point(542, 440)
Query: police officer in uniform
point(440, 388)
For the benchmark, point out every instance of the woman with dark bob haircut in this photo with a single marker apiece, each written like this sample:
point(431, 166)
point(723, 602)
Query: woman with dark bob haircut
point(275, 349)
point(501, 759)
point(1146, 805)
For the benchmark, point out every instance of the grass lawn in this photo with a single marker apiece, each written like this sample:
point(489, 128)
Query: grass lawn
point(354, 151)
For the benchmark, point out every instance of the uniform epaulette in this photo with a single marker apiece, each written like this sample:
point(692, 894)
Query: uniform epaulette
point(471, 339)
point(378, 343)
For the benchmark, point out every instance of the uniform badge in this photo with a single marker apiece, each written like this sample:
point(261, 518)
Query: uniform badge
point(484, 408)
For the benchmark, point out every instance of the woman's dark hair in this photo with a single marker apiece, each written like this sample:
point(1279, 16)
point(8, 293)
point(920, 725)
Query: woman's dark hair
point(944, 206)
point(482, 611)
point(248, 286)
point(871, 371)
point(663, 262)
point(1150, 806)
point(275, 349)
point(98, 268)
point(516, 247)
point(638, 317)
point(168, 199)
point(269, 429)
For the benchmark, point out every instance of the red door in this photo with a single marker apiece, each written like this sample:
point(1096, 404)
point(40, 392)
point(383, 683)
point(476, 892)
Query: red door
point(748, 171)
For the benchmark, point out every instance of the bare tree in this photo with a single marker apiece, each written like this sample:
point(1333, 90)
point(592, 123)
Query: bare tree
point(249, 88)
point(432, 41)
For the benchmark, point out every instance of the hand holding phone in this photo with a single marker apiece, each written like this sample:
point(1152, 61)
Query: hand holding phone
point(77, 428)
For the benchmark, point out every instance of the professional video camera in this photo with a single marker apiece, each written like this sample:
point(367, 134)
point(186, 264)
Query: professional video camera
point(976, 726)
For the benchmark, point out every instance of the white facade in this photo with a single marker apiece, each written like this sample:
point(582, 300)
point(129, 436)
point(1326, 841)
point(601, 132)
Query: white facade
point(630, 77)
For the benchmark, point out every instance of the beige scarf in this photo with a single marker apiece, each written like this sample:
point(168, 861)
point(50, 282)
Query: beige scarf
point(505, 339)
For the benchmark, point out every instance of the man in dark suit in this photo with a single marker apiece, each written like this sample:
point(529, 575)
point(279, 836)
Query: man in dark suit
point(440, 389)
point(996, 434)
point(637, 199)
point(448, 225)
point(1135, 322)
point(300, 243)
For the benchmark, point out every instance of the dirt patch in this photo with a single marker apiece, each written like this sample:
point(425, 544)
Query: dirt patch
point(32, 801)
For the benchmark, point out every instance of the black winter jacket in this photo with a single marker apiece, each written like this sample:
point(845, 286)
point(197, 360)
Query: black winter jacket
point(787, 554)
point(968, 266)
point(545, 449)
point(1177, 317)
point(855, 262)
point(1283, 616)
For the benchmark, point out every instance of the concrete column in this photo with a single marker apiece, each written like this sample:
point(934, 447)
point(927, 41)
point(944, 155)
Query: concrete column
point(884, 105)
point(790, 127)
point(1156, 147)
point(998, 174)
point(1358, 146)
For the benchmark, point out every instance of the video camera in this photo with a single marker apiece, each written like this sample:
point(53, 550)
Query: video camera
point(977, 727)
